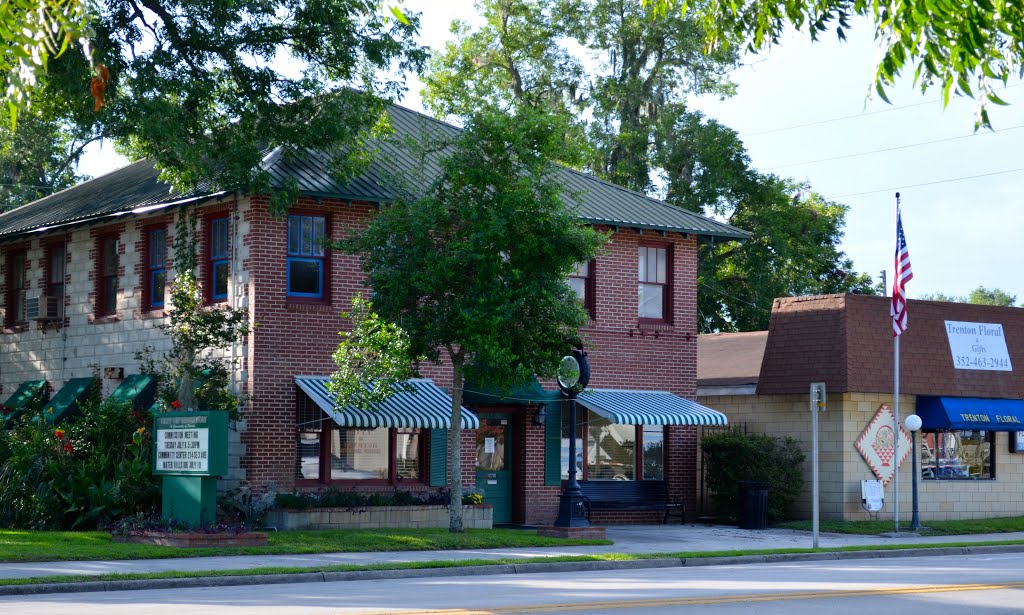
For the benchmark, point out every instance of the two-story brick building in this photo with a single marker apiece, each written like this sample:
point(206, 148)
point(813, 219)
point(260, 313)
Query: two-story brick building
point(101, 252)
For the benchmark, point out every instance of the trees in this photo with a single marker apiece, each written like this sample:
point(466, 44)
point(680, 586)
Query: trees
point(473, 270)
point(205, 90)
point(978, 296)
point(962, 47)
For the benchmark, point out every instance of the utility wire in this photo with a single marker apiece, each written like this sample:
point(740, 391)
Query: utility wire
point(889, 149)
point(856, 115)
point(941, 181)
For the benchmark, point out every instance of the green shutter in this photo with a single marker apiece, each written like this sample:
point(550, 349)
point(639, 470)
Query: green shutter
point(553, 444)
point(438, 457)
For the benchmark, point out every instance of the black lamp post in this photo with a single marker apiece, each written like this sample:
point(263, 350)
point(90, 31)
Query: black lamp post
point(913, 423)
point(573, 376)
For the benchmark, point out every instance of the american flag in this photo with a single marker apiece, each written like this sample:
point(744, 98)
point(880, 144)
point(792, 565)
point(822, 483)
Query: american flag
point(903, 274)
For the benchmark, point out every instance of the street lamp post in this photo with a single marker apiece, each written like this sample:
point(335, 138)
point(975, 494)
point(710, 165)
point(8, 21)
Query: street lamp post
point(573, 376)
point(913, 423)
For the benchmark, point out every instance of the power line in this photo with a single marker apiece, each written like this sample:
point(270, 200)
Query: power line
point(891, 149)
point(941, 181)
point(856, 115)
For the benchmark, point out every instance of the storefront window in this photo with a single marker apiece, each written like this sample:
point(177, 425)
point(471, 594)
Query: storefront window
point(957, 455)
point(610, 451)
point(359, 454)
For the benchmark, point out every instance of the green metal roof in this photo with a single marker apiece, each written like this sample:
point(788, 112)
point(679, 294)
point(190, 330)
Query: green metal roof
point(626, 407)
point(135, 188)
point(67, 402)
point(29, 392)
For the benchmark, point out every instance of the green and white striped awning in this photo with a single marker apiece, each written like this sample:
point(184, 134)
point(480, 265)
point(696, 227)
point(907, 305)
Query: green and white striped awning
point(428, 407)
point(624, 407)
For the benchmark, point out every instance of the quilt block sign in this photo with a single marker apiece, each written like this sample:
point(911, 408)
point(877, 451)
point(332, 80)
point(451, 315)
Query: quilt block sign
point(877, 445)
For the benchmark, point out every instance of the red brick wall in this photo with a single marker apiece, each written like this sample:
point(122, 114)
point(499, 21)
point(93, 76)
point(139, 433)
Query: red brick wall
point(298, 339)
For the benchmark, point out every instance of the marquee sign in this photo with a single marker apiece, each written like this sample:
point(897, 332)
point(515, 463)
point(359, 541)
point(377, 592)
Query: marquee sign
point(877, 445)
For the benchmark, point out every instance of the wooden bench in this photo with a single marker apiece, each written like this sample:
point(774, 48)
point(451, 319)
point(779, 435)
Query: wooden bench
point(629, 495)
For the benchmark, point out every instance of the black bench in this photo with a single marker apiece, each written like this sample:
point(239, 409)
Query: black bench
point(629, 495)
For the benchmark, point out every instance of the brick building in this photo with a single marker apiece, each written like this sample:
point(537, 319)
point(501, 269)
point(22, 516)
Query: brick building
point(971, 402)
point(100, 252)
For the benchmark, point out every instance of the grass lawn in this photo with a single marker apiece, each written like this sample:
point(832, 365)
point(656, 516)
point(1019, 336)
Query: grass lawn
point(932, 528)
point(28, 546)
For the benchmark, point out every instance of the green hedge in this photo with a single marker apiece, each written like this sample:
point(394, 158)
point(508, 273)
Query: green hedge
point(731, 456)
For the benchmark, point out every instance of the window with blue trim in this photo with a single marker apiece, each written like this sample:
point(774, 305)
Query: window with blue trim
point(220, 263)
point(156, 266)
point(306, 256)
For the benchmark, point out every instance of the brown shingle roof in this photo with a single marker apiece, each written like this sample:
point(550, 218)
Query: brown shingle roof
point(730, 358)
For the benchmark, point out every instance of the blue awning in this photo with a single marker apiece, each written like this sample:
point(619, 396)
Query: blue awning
point(969, 413)
point(428, 407)
point(625, 407)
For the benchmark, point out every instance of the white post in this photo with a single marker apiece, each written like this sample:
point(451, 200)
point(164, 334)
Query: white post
point(896, 432)
point(817, 405)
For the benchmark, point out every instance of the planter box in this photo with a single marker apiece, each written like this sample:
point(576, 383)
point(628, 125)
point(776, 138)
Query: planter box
point(371, 517)
point(195, 539)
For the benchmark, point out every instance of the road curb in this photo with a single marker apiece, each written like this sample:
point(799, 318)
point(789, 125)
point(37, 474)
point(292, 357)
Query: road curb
point(530, 567)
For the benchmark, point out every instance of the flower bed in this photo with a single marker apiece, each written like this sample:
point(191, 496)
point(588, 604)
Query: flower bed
point(194, 539)
point(368, 517)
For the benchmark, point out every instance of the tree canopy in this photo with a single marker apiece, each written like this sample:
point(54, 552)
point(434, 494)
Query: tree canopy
point(962, 47)
point(627, 115)
point(474, 270)
point(205, 90)
point(978, 296)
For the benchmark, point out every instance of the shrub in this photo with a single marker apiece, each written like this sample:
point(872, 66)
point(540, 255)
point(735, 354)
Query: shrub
point(731, 456)
point(78, 475)
point(355, 499)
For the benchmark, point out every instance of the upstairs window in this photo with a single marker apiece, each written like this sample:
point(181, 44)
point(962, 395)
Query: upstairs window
point(307, 236)
point(17, 284)
point(106, 276)
point(56, 258)
point(655, 291)
point(156, 267)
point(219, 265)
point(581, 280)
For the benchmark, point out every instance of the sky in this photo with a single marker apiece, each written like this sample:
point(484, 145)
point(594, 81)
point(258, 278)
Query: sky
point(799, 104)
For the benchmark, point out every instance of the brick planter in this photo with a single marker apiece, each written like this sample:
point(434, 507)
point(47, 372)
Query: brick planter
point(369, 517)
point(195, 539)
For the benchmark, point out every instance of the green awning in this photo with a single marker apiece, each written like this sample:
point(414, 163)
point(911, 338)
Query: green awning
point(66, 403)
point(137, 389)
point(28, 393)
point(428, 407)
point(523, 395)
point(625, 407)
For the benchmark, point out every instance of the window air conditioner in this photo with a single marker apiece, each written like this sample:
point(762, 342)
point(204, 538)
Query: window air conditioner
point(44, 307)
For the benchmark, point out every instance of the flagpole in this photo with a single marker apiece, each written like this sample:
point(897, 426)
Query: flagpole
point(896, 397)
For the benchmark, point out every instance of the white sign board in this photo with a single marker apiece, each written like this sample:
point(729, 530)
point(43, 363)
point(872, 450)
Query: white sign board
point(488, 445)
point(183, 449)
point(978, 345)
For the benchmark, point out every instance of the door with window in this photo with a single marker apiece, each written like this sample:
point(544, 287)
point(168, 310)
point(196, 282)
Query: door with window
point(493, 465)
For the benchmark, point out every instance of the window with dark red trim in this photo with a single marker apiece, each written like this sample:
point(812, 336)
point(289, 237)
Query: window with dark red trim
point(218, 264)
point(608, 451)
point(56, 261)
point(655, 283)
point(156, 268)
point(581, 280)
point(17, 284)
point(106, 275)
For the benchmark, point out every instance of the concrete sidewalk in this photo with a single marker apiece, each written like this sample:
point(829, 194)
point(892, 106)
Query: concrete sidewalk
point(635, 539)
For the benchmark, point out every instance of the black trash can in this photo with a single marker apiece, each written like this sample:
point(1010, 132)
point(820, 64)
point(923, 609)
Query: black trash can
point(753, 504)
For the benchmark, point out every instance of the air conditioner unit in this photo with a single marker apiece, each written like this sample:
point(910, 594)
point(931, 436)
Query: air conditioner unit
point(44, 307)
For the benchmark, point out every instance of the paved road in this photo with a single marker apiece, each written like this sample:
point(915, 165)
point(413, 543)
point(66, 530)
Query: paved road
point(975, 584)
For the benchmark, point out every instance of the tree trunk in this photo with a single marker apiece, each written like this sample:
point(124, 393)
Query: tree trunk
point(187, 388)
point(455, 453)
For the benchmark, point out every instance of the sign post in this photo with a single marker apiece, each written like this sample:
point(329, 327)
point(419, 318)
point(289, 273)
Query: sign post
point(817, 405)
point(190, 453)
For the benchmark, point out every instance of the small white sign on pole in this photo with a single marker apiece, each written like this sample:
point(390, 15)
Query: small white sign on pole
point(978, 345)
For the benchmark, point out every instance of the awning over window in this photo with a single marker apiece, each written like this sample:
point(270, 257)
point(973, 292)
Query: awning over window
point(65, 403)
point(526, 394)
point(19, 401)
point(625, 407)
point(137, 389)
point(942, 413)
point(428, 407)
